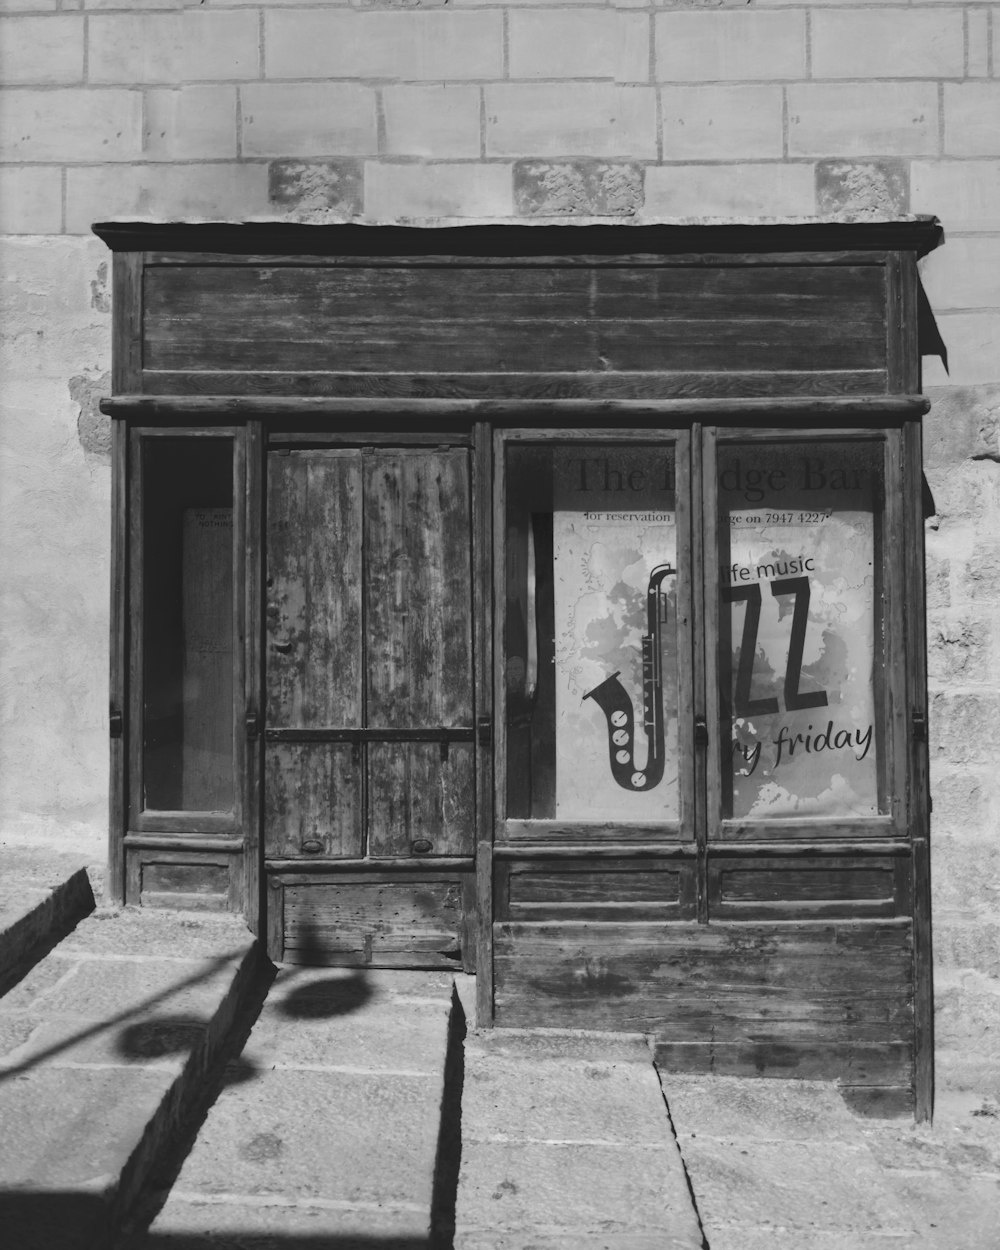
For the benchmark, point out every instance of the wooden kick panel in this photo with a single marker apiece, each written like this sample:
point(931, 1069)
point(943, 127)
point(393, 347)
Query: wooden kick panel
point(786, 999)
point(378, 921)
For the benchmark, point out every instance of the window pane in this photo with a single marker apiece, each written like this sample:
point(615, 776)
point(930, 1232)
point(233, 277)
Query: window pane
point(801, 619)
point(187, 623)
point(591, 633)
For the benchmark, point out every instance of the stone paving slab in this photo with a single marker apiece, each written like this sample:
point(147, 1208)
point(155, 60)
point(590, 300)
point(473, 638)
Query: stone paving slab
point(332, 1130)
point(566, 1142)
point(103, 1049)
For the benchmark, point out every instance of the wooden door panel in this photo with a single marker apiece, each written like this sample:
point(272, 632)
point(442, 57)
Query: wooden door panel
point(314, 645)
point(417, 796)
point(312, 800)
point(418, 589)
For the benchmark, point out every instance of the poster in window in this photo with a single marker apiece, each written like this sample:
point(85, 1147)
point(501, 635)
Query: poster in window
point(801, 628)
point(614, 539)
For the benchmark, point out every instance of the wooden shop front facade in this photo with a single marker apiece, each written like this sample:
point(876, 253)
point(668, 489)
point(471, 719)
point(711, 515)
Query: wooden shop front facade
point(543, 602)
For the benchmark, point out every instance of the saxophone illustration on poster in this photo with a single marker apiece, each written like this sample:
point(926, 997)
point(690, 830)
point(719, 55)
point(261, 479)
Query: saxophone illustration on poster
point(614, 560)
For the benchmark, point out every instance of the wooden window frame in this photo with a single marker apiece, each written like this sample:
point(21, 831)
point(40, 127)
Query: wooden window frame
point(194, 823)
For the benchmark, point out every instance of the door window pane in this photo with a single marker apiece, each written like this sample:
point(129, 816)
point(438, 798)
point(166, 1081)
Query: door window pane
point(591, 633)
point(187, 624)
point(801, 646)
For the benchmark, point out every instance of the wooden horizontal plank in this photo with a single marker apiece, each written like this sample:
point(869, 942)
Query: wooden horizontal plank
point(821, 850)
point(578, 384)
point(522, 411)
point(595, 850)
point(183, 842)
point(302, 871)
point(802, 1059)
point(918, 234)
point(260, 293)
point(309, 342)
point(803, 887)
point(582, 890)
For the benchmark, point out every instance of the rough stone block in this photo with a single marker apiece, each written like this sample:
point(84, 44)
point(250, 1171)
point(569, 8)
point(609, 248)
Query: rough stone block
point(41, 49)
point(963, 646)
point(30, 200)
point(555, 1046)
point(394, 191)
point(744, 189)
point(962, 726)
point(570, 119)
point(725, 44)
point(585, 44)
point(440, 120)
point(173, 47)
point(71, 124)
point(852, 43)
point(342, 43)
point(862, 119)
point(223, 192)
point(964, 194)
point(308, 187)
point(857, 187)
point(189, 123)
point(566, 189)
point(971, 118)
point(721, 122)
point(308, 119)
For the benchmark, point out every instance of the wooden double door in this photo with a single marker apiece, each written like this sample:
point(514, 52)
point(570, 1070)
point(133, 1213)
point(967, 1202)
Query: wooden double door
point(369, 743)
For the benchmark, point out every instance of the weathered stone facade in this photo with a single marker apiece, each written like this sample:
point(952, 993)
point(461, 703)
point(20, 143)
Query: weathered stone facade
point(378, 110)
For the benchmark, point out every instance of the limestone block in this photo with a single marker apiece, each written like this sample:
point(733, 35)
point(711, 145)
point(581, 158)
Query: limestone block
point(393, 192)
point(965, 194)
point(856, 187)
point(230, 191)
point(853, 43)
point(440, 120)
point(588, 44)
point(343, 43)
point(310, 187)
point(711, 46)
point(963, 274)
point(862, 119)
point(743, 189)
point(721, 122)
point(590, 188)
point(971, 118)
point(308, 119)
point(173, 47)
point(963, 645)
point(189, 123)
point(41, 49)
point(570, 119)
point(71, 124)
point(977, 50)
point(973, 342)
point(30, 199)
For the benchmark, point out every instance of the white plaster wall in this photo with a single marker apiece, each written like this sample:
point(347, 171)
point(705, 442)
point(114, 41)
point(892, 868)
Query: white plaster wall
point(55, 325)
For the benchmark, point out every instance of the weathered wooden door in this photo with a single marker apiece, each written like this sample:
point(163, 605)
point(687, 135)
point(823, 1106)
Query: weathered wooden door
point(369, 769)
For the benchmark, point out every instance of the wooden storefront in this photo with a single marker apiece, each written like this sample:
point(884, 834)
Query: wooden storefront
point(543, 602)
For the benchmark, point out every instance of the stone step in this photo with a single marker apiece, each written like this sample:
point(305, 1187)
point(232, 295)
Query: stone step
point(331, 1129)
point(567, 1145)
point(43, 895)
point(105, 1047)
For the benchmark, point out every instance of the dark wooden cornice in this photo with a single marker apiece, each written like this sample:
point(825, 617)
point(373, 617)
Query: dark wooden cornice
point(282, 238)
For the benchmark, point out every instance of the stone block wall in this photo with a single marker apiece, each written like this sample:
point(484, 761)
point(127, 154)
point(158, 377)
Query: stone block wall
point(432, 110)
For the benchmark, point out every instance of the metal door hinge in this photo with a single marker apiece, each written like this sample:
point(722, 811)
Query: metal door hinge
point(919, 727)
point(700, 732)
point(484, 730)
point(115, 723)
point(253, 726)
